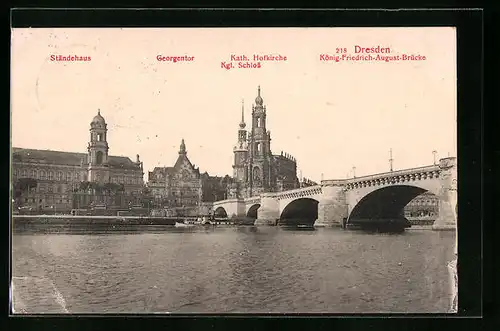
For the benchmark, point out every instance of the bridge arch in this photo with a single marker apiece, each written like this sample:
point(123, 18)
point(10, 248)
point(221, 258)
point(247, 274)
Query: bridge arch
point(302, 211)
point(252, 211)
point(220, 212)
point(386, 203)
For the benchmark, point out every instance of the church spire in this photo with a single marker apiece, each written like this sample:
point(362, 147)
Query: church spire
point(242, 123)
point(182, 149)
point(258, 100)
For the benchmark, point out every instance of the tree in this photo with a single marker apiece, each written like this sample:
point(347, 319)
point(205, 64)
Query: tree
point(22, 185)
point(111, 188)
point(121, 188)
point(84, 186)
point(146, 190)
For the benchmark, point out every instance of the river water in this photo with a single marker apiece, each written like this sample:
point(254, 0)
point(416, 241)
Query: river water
point(232, 270)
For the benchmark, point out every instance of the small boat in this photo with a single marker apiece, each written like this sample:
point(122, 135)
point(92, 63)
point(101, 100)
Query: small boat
point(183, 225)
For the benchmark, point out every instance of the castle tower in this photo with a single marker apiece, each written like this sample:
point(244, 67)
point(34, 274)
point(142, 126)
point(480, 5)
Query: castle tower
point(259, 171)
point(98, 148)
point(240, 150)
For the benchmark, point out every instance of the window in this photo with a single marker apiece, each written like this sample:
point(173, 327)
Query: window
point(51, 175)
point(99, 157)
point(50, 189)
point(259, 147)
point(33, 173)
point(256, 174)
point(42, 174)
point(24, 173)
point(59, 175)
point(68, 176)
point(99, 137)
point(77, 176)
point(259, 122)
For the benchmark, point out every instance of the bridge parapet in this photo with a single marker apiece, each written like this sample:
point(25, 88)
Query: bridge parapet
point(394, 177)
point(334, 182)
point(221, 202)
point(300, 192)
point(252, 200)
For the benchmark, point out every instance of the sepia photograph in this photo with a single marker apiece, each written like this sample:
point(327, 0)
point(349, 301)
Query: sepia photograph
point(234, 170)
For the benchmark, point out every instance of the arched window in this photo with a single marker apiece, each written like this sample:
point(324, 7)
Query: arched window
point(68, 177)
point(24, 173)
point(259, 147)
point(99, 157)
point(77, 176)
point(42, 174)
point(59, 175)
point(99, 137)
point(51, 175)
point(33, 173)
point(259, 122)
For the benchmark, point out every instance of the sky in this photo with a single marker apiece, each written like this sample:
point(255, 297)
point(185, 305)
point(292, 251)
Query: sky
point(331, 116)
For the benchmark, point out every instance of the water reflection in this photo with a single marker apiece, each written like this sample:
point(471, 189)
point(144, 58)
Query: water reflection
point(235, 269)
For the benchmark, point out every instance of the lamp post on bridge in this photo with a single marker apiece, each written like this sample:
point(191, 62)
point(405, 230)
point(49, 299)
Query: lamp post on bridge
point(434, 153)
point(390, 160)
point(354, 172)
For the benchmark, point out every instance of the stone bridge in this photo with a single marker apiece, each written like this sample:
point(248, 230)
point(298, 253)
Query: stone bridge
point(337, 202)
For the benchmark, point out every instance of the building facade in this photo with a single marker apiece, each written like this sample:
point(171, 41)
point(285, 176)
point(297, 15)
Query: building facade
point(424, 205)
point(255, 168)
point(58, 174)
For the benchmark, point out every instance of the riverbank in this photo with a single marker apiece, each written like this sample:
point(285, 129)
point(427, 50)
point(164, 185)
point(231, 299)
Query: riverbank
point(70, 220)
point(420, 227)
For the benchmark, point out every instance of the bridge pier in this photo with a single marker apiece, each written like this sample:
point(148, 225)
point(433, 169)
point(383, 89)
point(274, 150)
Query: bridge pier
point(268, 213)
point(447, 219)
point(332, 208)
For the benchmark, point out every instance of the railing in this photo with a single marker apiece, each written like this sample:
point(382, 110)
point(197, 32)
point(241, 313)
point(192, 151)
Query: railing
point(300, 192)
point(252, 200)
point(393, 173)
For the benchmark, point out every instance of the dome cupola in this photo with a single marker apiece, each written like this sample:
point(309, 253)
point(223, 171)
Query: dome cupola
point(98, 119)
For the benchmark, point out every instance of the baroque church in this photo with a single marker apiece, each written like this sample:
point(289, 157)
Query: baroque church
point(256, 169)
point(58, 174)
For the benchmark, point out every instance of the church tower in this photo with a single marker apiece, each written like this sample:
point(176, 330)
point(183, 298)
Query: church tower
point(98, 170)
point(259, 167)
point(240, 150)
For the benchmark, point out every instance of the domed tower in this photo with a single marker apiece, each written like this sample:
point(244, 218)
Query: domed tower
point(240, 150)
point(98, 170)
point(259, 149)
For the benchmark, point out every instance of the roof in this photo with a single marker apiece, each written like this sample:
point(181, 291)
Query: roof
point(122, 162)
point(184, 159)
point(48, 156)
point(66, 158)
point(163, 170)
